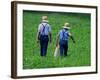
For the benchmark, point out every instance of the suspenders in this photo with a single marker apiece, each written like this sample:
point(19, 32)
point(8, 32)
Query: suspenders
point(43, 31)
point(64, 35)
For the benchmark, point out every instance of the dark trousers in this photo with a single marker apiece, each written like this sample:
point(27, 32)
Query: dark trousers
point(44, 44)
point(63, 47)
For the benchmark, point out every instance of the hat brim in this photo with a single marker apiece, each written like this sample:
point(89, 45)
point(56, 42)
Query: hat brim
point(66, 27)
point(45, 21)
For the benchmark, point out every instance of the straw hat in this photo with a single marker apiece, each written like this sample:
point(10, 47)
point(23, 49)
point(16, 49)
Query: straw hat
point(66, 26)
point(45, 19)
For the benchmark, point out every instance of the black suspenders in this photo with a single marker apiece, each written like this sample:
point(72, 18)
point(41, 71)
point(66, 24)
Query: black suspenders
point(43, 31)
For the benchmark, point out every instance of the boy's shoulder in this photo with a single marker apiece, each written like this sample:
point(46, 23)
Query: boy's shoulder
point(63, 30)
point(44, 24)
point(60, 30)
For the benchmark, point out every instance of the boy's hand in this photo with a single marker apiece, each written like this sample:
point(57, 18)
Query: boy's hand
point(74, 41)
point(57, 44)
point(50, 40)
point(37, 41)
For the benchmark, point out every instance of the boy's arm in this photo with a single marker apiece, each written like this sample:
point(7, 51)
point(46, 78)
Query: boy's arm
point(38, 33)
point(72, 37)
point(38, 36)
point(50, 34)
point(50, 37)
point(57, 40)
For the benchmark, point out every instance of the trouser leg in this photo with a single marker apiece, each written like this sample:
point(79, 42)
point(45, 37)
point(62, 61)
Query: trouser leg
point(65, 49)
point(43, 44)
point(45, 48)
point(61, 49)
point(41, 47)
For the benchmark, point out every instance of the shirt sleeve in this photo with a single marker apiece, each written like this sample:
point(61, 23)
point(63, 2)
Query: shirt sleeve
point(59, 33)
point(39, 27)
point(69, 34)
point(49, 28)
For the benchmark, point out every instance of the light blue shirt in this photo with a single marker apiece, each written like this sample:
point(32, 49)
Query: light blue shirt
point(44, 28)
point(64, 34)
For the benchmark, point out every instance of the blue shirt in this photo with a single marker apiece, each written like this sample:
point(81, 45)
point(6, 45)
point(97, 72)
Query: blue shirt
point(44, 29)
point(64, 34)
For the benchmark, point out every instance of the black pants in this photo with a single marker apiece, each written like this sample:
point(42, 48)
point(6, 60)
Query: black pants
point(63, 47)
point(44, 44)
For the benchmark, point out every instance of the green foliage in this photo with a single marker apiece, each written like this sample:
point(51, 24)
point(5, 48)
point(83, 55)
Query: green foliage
point(78, 53)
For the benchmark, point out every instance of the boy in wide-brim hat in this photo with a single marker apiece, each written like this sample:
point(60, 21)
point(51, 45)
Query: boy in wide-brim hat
point(62, 39)
point(44, 35)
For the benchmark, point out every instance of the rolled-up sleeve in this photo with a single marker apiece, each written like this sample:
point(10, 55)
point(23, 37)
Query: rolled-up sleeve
point(49, 28)
point(39, 27)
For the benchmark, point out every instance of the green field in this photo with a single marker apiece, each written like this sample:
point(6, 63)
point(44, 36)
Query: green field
point(78, 53)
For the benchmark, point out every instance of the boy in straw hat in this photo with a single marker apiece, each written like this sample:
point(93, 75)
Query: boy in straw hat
point(62, 39)
point(44, 35)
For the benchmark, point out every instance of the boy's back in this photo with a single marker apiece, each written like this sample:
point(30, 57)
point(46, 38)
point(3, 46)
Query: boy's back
point(64, 34)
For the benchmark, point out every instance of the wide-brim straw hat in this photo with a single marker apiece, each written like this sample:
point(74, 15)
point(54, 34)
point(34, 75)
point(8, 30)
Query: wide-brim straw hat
point(45, 19)
point(66, 26)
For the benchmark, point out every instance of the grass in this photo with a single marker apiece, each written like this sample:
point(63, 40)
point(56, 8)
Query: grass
point(78, 54)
